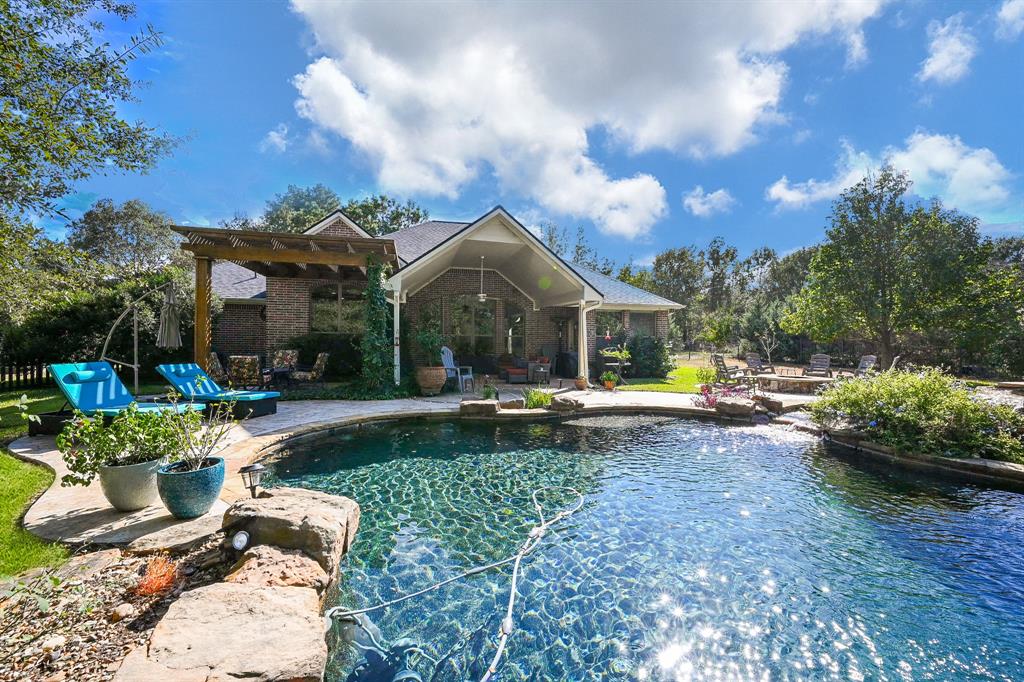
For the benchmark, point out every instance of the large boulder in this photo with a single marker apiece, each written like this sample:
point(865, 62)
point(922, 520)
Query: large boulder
point(735, 407)
point(562, 402)
point(513, 404)
point(321, 525)
point(228, 631)
point(269, 566)
point(479, 408)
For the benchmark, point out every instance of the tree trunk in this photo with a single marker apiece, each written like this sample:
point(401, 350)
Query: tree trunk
point(886, 351)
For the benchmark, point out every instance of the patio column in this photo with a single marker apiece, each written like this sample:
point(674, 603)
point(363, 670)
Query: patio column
point(397, 292)
point(201, 328)
point(581, 344)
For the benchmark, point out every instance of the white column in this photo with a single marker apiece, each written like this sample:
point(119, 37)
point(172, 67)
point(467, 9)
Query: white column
point(584, 364)
point(397, 293)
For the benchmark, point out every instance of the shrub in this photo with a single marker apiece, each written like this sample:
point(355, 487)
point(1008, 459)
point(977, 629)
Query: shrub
point(536, 398)
point(923, 411)
point(649, 356)
point(160, 576)
point(133, 437)
point(345, 357)
point(706, 375)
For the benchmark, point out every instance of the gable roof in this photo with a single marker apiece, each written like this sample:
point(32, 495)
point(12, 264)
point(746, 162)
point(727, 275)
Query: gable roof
point(332, 217)
point(414, 241)
point(619, 293)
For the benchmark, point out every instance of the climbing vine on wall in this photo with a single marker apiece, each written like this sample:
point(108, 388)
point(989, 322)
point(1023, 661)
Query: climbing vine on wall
point(377, 345)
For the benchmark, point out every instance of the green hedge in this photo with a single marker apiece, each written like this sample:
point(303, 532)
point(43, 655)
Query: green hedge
point(649, 356)
point(923, 411)
point(345, 355)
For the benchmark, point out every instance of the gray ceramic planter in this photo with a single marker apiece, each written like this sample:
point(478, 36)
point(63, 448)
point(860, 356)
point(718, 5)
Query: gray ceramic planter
point(188, 494)
point(132, 487)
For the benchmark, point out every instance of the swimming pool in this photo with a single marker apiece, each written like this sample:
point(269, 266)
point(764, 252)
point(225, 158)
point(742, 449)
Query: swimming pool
point(703, 551)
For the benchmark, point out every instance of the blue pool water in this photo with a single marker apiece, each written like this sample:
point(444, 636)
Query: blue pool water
point(703, 552)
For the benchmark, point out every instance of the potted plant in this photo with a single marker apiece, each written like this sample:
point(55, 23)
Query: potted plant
point(191, 483)
point(609, 379)
point(581, 383)
point(431, 376)
point(125, 455)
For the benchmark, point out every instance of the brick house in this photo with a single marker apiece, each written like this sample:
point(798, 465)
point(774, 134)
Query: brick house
point(493, 286)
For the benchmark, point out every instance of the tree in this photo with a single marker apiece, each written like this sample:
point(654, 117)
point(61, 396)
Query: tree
point(678, 275)
point(642, 278)
point(131, 238)
point(761, 324)
point(723, 273)
point(297, 208)
point(586, 255)
point(556, 238)
point(886, 269)
point(60, 91)
point(380, 215)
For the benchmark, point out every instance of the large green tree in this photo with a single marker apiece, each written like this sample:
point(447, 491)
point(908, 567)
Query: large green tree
point(381, 214)
point(62, 91)
point(297, 208)
point(678, 275)
point(131, 238)
point(886, 268)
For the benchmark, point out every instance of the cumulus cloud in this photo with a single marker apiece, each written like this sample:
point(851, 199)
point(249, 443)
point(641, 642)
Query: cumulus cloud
point(436, 99)
point(951, 47)
point(705, 204)
point(968, 178)
point(275, 140)
point(1010, 20)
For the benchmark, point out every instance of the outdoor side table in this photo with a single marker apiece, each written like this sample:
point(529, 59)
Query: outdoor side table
point(542, 374)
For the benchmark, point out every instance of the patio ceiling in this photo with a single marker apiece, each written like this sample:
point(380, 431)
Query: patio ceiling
point(298, 256)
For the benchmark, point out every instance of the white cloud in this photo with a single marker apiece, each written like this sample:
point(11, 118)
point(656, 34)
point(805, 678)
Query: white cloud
point(437, 99)
point(705, 204)
point(968, 178)
point(951, 47)
point(275, 140)
point(1010, 20)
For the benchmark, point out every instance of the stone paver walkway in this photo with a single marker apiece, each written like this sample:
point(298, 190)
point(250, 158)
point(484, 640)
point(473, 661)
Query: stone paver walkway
point(81, 515)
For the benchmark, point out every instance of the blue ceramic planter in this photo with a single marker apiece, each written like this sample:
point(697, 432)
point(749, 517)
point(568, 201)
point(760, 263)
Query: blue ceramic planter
point(188, 494)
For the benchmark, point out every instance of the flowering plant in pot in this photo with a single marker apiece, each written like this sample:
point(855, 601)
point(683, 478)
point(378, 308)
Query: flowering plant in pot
point(432, 375)
point(609, 379)
point(191, 482)
point(124, 455)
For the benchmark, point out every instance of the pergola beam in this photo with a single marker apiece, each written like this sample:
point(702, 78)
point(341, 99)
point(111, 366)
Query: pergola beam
point(270, 255)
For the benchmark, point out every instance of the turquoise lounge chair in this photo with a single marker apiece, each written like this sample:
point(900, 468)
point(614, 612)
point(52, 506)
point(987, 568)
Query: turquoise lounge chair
point(94, 388)
point(193, 383)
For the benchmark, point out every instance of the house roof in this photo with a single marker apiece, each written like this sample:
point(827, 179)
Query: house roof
point(232, 281)
point(619, 293)
point(414, 241)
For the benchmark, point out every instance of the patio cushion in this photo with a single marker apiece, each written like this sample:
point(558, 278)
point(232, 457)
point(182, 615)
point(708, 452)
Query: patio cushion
point(94, 388)
point(517, 371)
point(88, 376)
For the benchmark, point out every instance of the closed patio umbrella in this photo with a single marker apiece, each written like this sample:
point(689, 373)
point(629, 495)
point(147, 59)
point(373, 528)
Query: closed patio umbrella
point(169, 333)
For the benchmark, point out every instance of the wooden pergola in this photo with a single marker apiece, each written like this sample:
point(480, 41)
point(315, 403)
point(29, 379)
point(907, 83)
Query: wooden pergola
point(275, 254)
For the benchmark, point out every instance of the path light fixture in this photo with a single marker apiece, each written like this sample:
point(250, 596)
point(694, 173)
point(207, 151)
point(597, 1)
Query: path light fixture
point(252, 475)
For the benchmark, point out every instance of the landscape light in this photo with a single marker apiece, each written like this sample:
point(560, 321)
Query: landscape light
point(252, 475)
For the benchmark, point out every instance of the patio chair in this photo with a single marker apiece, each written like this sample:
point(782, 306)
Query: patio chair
point(820, 366)
point(94, 388)
point(245, 371)
point(756, 366)
point(285, 359)
point(864, 367)
point(727, 374)
point(215, 368)
point(314, 373)
point(193, 383)
point(463, 375)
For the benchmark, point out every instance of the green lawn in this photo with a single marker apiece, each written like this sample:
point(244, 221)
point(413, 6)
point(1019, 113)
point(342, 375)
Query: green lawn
point(679, 380)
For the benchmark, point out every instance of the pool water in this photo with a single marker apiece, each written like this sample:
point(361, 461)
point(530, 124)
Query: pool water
point(703, 551)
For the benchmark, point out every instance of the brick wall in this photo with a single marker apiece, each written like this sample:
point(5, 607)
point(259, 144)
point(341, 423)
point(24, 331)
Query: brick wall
point(339, 229)
point(240, 329)
point(287, 309)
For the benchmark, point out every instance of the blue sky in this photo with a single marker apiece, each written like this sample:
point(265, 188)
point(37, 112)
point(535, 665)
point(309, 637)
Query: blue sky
point(653, 127)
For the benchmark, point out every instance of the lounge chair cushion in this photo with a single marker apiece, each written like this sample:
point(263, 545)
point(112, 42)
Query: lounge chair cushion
point(191, 381)
point(94, 388)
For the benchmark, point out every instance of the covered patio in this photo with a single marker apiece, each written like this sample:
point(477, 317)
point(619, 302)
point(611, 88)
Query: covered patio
point(304, 257)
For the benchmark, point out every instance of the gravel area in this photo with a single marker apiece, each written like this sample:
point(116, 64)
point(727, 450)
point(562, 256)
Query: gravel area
point(78, 622)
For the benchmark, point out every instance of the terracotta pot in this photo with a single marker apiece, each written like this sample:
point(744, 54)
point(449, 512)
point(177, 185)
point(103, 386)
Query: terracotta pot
point(581, 384)
point(431, 379)
point(610, 385)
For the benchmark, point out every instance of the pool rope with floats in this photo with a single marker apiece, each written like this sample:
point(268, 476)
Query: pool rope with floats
point(394, 664)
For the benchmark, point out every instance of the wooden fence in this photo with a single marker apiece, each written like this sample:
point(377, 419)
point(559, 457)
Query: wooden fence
point(15, 376)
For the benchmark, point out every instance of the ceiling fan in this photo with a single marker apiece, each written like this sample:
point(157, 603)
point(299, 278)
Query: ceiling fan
point(482, 297)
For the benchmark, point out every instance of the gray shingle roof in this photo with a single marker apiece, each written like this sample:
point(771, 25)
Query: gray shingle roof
point(617, 292)
point(234, 281)
point(414, 241)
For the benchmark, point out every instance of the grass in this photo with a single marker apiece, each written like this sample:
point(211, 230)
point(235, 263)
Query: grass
point(680, 380)
point(21, 482)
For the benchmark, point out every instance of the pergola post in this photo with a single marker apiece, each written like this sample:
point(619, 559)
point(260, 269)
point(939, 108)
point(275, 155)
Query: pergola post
point(204, 285)
point(584, 361)
point(397, 293)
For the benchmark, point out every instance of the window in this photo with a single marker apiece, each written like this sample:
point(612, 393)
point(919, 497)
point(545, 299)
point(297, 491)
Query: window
point(332, 313)
point(607, 324)
point(472, 325)
point(642, 323)
point(515, 330)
